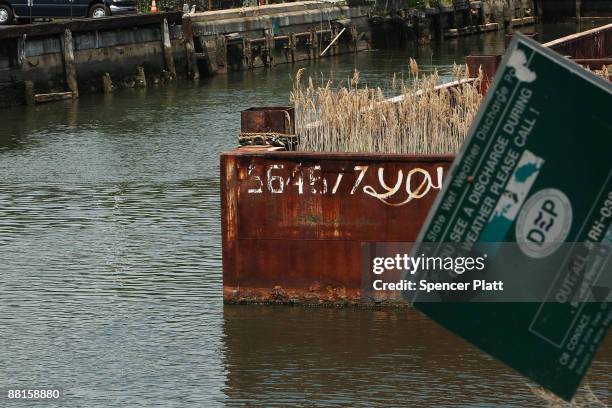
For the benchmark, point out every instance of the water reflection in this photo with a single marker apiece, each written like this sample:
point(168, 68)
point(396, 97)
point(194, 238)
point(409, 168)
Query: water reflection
point(111, 291)
point(280, 356)
point(110, 263)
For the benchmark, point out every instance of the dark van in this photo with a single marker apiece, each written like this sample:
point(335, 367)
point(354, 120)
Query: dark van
point(12, 11)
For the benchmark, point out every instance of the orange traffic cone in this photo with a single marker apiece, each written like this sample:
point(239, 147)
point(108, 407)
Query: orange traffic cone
point(153, 7)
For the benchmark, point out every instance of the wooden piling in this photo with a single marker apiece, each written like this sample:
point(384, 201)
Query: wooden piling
point(314, 44)
point(221, 54)
point(29, 93)
point(247, 54)
point(69, 63)
point(167, 49)
point(270, 45)
point(539, 5)
point(354, 37)
point(192, 62)
point(21, 54)
point(292, 43)
point(141, 79)
point(208, 56)
point(107, 83)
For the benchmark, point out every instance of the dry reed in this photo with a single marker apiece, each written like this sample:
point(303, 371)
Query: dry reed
point(605, 72)
point(584, 398)
point(354, 118)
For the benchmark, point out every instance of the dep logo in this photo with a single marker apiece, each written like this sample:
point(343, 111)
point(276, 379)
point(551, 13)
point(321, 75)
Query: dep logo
point(543, 223)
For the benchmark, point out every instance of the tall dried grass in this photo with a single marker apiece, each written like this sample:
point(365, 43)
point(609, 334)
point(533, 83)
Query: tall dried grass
point(422, 119)
point(585, 397)
point(605, 72)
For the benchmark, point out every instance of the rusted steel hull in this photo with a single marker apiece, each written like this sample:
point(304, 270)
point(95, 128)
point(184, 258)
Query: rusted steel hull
point(294, 222)
point(592, 48)
point(488, 64)
point(591, 44)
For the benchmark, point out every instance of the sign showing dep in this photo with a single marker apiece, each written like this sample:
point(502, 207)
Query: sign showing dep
point(530, 194)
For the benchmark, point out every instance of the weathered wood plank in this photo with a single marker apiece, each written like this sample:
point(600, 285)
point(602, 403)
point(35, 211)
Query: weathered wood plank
point(50, 97)
point(89, 24)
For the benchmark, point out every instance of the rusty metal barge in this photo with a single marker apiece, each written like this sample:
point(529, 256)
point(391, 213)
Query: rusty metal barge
point(293, 222)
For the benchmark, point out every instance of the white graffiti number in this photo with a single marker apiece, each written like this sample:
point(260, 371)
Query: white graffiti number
point(275, 183)
point(254, 177)
point(395, 189)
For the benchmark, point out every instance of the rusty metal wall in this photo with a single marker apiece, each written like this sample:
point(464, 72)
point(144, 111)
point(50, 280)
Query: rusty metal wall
point(293, 222)
point(592, 48)
point(488, 64)
point(591, 44)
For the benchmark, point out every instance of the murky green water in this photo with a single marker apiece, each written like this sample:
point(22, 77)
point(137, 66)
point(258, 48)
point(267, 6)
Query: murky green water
point(110, 265)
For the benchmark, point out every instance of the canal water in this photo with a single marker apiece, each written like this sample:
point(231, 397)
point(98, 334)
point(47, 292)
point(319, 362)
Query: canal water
point(110, 264)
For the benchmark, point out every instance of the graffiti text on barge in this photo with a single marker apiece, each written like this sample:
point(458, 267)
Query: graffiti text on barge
point(393, 188)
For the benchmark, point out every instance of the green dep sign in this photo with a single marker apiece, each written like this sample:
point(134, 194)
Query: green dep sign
point(535, 172)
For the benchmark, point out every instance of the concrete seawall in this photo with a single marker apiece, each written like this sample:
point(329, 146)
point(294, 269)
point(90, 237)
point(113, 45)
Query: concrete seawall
point(394, 25)
point(53, 61)
point(280, 33)
point(60, 60)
